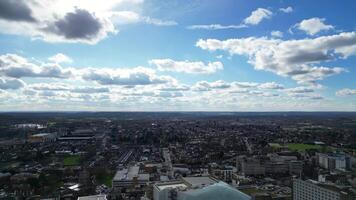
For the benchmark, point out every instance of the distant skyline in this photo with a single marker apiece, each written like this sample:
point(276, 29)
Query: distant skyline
point(155, 55)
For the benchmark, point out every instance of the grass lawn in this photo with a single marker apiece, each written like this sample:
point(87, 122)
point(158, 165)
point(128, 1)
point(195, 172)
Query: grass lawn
point(71, 160)
point(301, 147)
point(105, 178)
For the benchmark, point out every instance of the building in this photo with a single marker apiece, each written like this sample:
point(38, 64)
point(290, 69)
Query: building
point(130, 178)
point(252, 167)
point(314, 190)
point(42, 137)
point(93, 197)
point(296, 167)
point(197, 188)
point(276, 167)
point(223, 173)
point(334, 161)
point(167, 190)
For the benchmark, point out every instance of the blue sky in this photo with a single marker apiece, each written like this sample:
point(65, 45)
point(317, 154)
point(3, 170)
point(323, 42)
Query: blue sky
point(142, 55)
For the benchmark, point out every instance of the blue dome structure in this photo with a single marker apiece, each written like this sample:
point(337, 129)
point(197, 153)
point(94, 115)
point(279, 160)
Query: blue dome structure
point(217, 191)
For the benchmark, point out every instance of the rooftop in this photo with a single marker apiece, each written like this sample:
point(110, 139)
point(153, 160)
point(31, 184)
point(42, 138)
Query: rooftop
point(171, 185)
point(216, 191)
point(93, 197)
point(199, 181)
point(130, 173)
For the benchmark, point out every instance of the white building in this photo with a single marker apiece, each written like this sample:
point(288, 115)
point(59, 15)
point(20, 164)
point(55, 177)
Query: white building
point(314, 190)
point(334, 161)
point(93, 197)
point(130, 177)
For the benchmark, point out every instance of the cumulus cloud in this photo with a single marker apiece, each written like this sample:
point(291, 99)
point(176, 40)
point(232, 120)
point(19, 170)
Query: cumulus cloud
point(207, 86)
point(216, 26)
point(346, 92)
point(15, 66)
point(15, 10)
point(313, 26)
point(271, 85)
point(235, 86)
point(133, 76)
point(71, 21)
point(286, 10)
point(65, 87)
point(299, 90)
point(257, 16)
point(186, 66)
point(60, 58)
point(297, 59)
point(174, 87)
point(80, 25)
point(13, 84)
point(277, 34)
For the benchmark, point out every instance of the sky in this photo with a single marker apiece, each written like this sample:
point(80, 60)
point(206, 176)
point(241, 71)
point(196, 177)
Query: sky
point(177, 55)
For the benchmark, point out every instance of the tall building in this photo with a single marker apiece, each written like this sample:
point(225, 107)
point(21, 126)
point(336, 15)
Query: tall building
point(314, 190)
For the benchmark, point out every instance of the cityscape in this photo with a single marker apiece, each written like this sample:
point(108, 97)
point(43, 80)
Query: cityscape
point(167, 156)
point(177, 100)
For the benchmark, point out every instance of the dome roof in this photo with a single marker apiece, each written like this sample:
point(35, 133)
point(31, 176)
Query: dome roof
point(217, 191)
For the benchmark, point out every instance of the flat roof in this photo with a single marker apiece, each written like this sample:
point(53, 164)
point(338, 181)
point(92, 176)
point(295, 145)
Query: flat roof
point(172, 185)
point(93, 197)
point(129, 173)
point(199, 181)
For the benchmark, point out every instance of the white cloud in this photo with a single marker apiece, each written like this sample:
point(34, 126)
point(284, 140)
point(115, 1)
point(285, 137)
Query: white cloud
point(15, 66)
point(186, 66)
point(13, 84)
point(158, 22)
point(299, 90)
point(129, 17)
point(132, 76)
point(313, 26)
point(257, 16)
point(71, 21)
point(271, 85)
point(346, 92)
point(236, 87)
point(277, 34)
point(297, 59)
point(207, 86)
point(216, 26)
point(286, 10)
point(67, 88)
point(60, 58)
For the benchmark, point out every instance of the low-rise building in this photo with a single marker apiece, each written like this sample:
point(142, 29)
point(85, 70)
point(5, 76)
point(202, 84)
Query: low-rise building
point(130, 178)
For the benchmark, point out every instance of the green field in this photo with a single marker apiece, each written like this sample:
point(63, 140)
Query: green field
point(303, 147)
point(107, 180)
point(71, 160)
